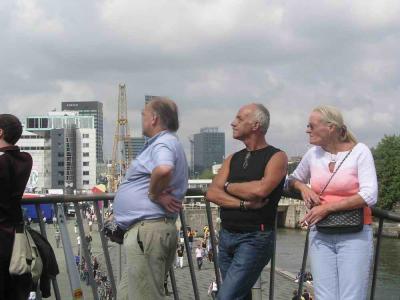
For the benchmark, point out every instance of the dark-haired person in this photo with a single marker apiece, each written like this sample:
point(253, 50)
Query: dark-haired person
point(248, 188)
point(341, 262)
point(15, 168)
point(148, 201)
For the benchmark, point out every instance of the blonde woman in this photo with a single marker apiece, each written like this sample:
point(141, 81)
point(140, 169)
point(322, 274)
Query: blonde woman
point(340, 263)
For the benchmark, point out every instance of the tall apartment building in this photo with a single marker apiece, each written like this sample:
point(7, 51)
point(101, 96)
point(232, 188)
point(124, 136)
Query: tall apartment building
point(90, 108)
point(208, 148)
point(65, 146)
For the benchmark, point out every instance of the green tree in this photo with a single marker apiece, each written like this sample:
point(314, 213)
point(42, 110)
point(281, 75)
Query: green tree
point(387, 162)
point(207, 174)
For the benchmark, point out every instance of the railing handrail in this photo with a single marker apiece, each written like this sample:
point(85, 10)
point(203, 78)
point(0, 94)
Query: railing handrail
point(43, 199)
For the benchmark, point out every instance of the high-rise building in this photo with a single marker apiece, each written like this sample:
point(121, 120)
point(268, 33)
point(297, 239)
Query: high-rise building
point(64, 144)
point(133, 146)
point(208, 148)
point(90, 108)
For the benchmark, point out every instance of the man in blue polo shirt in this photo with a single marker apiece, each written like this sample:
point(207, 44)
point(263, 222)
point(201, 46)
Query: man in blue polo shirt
point(148, 201)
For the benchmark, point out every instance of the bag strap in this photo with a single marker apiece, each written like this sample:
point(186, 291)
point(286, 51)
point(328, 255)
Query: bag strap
point(333, 174)
point(11, 169)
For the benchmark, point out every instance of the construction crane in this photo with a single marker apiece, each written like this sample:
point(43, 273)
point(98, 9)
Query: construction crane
point(120, 155)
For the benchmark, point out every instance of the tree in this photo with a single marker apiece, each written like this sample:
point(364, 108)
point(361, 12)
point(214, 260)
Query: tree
point(387, 162)
point(207, 174)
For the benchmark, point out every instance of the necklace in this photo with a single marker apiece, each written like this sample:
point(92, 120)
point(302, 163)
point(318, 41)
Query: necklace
point(246, 160)
point(333, 158)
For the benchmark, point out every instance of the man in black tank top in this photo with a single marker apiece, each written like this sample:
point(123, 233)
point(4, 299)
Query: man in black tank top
point(248, 188)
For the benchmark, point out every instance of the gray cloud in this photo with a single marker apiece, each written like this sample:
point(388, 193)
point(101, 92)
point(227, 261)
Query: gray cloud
point(211, 56)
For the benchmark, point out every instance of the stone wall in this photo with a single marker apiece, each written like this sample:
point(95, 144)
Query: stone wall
point(196, 218)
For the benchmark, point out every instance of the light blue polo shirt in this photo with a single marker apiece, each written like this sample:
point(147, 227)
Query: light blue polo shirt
point(131, 203)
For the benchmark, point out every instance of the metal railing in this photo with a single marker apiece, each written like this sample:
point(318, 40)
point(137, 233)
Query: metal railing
point(60, 199)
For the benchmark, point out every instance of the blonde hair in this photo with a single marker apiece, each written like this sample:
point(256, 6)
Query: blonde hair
point(332, 115)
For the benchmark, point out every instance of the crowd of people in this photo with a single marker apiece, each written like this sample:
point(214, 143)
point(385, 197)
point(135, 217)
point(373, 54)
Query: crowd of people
point(247, 189)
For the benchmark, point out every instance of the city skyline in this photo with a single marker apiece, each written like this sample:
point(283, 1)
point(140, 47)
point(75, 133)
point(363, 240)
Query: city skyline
point(211, 59)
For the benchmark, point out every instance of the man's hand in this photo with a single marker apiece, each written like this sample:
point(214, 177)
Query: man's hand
point(169, 202)
point(256, 204)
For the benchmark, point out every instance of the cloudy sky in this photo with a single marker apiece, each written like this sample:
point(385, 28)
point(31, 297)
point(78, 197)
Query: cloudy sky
point(211, 56)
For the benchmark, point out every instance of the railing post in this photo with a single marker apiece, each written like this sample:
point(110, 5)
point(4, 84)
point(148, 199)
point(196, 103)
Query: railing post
point(72, 270)
point(104, 245)
point(189, 256)
point(173, 283)
point(213, 244)
point(86, 250)
point(376, 258)
point(272, 271)
point(303, 267)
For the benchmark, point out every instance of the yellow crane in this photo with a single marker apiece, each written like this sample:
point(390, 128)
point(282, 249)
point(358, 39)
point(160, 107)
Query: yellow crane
point(120, 155)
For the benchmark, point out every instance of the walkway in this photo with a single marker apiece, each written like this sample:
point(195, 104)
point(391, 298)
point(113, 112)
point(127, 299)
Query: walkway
point(283, 285)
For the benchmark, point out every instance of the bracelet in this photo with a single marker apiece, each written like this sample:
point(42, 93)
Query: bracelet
point(226, 187)
point(242, 207)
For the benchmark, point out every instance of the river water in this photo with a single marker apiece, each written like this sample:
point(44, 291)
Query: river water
point(290, 247)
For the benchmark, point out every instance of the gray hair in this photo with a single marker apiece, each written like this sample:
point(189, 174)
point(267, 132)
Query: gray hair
point(261, 115)
point(167, 111)
point(332, 115)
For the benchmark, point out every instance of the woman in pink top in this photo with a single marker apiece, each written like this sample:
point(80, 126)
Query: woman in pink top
point(340, 263)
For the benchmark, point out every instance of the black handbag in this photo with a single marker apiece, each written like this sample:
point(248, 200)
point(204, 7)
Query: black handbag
point(346, 221)
point(113, 231)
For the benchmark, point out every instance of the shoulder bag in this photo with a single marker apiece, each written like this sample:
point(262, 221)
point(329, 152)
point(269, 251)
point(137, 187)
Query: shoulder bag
point(346, 221)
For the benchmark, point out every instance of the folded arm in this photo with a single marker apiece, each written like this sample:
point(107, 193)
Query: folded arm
point(258, 190)
point(217, 194)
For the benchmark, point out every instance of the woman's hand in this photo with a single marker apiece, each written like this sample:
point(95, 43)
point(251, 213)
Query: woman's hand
point(316, 214)
point(310, 198)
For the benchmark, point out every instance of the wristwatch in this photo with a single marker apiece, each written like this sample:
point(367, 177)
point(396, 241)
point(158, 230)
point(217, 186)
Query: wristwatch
point(226, 187)
point(151, 196)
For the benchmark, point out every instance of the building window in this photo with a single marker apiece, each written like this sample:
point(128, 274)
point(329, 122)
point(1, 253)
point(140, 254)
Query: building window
point(85, 172)
point(85, 135)
point(85, 163)
point(60, 182)
point(61, 164)
point(85, 154)
point(85, 145)
point(85, 182)
point(60, 154)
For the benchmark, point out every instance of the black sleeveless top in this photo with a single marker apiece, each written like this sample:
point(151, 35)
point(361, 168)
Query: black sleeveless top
point(258, 219)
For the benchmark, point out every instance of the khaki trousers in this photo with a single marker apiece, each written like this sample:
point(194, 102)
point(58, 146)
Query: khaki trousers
point(150, 251)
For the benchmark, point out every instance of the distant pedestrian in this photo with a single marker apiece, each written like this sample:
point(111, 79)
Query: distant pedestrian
point(90, 225)
point(76, 228)
point(213, 290)
point(57, 237)
point(180, 258)
point(54, 221)
point(199, 256)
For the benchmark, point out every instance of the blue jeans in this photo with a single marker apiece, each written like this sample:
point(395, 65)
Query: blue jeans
point(341, 264)
point(242, 257)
